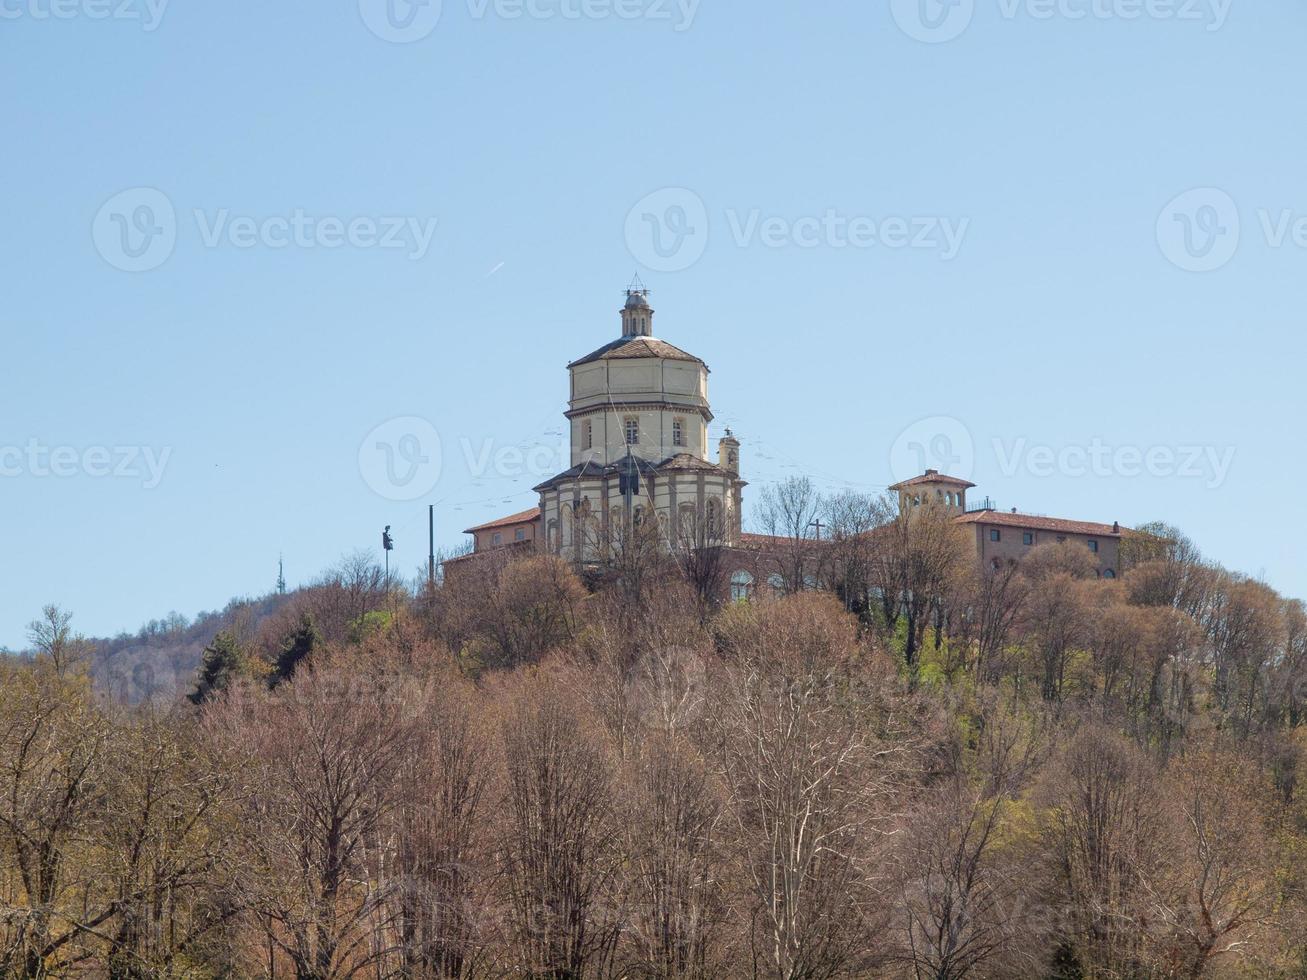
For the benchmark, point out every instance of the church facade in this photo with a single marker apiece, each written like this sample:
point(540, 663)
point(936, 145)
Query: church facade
point(638, 416)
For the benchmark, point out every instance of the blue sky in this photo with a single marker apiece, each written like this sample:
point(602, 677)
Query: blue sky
point(1057, 246)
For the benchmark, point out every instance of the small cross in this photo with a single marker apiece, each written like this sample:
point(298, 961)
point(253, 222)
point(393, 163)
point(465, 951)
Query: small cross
point(818, 525)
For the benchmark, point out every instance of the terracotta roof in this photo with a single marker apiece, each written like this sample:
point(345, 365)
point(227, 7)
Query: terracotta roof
point(1034, 523)
point(750, 540)
point(525, 517)
point(636, 347)
point(932, 478)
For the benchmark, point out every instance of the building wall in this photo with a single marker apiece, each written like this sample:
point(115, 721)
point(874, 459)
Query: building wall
point(485, 540)
point(659, 389)
point(656, 434)
point(1011, 544)
point(671, 492)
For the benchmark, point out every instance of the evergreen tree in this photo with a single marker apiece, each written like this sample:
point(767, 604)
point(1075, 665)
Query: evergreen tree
point(224, 661)
point(297, 645)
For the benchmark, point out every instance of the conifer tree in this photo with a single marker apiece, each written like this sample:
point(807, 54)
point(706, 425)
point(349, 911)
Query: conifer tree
point(297, 645)
point(224, 661)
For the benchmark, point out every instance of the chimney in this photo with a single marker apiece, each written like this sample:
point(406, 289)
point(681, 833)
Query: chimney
point(1116, 527)
point(1014, 510)
point(932, 472)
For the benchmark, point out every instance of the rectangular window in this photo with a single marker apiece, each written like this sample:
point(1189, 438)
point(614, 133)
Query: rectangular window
point(519, 534)
point(678, 433)
point(498, 538)
point(588, 435)
point(1093, 546)
point(1027, 538)
point(632, 432)
point(994, 534)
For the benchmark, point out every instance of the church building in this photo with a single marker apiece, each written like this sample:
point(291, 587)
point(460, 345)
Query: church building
point(638, 416)
point(638, 413)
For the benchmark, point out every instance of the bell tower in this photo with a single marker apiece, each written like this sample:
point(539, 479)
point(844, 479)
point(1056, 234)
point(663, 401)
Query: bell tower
point(637, 315)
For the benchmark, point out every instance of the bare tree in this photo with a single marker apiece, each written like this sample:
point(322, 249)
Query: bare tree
point(854, 518)
point(808, 789)
point(921, 558)
point(52, 636)
point(788, 512)
point(325, 754)
point(674, 864)
point(440, 865)
point(53, 742)
point(555, 842)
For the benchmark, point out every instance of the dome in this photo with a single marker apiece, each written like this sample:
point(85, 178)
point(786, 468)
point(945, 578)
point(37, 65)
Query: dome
point(635, 300)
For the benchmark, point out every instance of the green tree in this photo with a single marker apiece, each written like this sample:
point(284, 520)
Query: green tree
point(297, 645)
point(224, 661)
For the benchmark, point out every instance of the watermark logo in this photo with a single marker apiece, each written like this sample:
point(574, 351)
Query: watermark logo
point(932, 21)
point(136, 229)
point(400, 21)
point(406, 21)
point(940, 443)
point(401, 459)
point(38, 460)
point(149, 13)
point(667, 231)
point(937, 21)
point(1198, 231)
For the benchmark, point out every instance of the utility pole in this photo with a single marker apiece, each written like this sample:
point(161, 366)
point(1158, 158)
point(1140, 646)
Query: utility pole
point(431, 546)
point(387, 545)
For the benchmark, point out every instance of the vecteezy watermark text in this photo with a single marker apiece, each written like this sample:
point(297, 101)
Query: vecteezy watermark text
point(1211, 464)
point(148, 12)
point(403, 458)
point(945, 444)
point(407, 21)
point(668, 230)
point(38, 460)
point(937, 21)
point(136, 230)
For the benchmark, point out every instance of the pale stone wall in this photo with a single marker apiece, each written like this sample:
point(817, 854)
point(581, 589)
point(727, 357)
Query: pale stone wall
point(660, 391)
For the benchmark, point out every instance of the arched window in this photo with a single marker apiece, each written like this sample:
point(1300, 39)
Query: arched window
point(916, 500)
point(777, 582)
point(551, 535)
point(809, 582)
point(741, 586)
point(1108, 573)
point(632, 426)
point(587, 435)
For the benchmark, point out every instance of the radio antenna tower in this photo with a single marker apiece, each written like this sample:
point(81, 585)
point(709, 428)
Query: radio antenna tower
point(281, 576)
